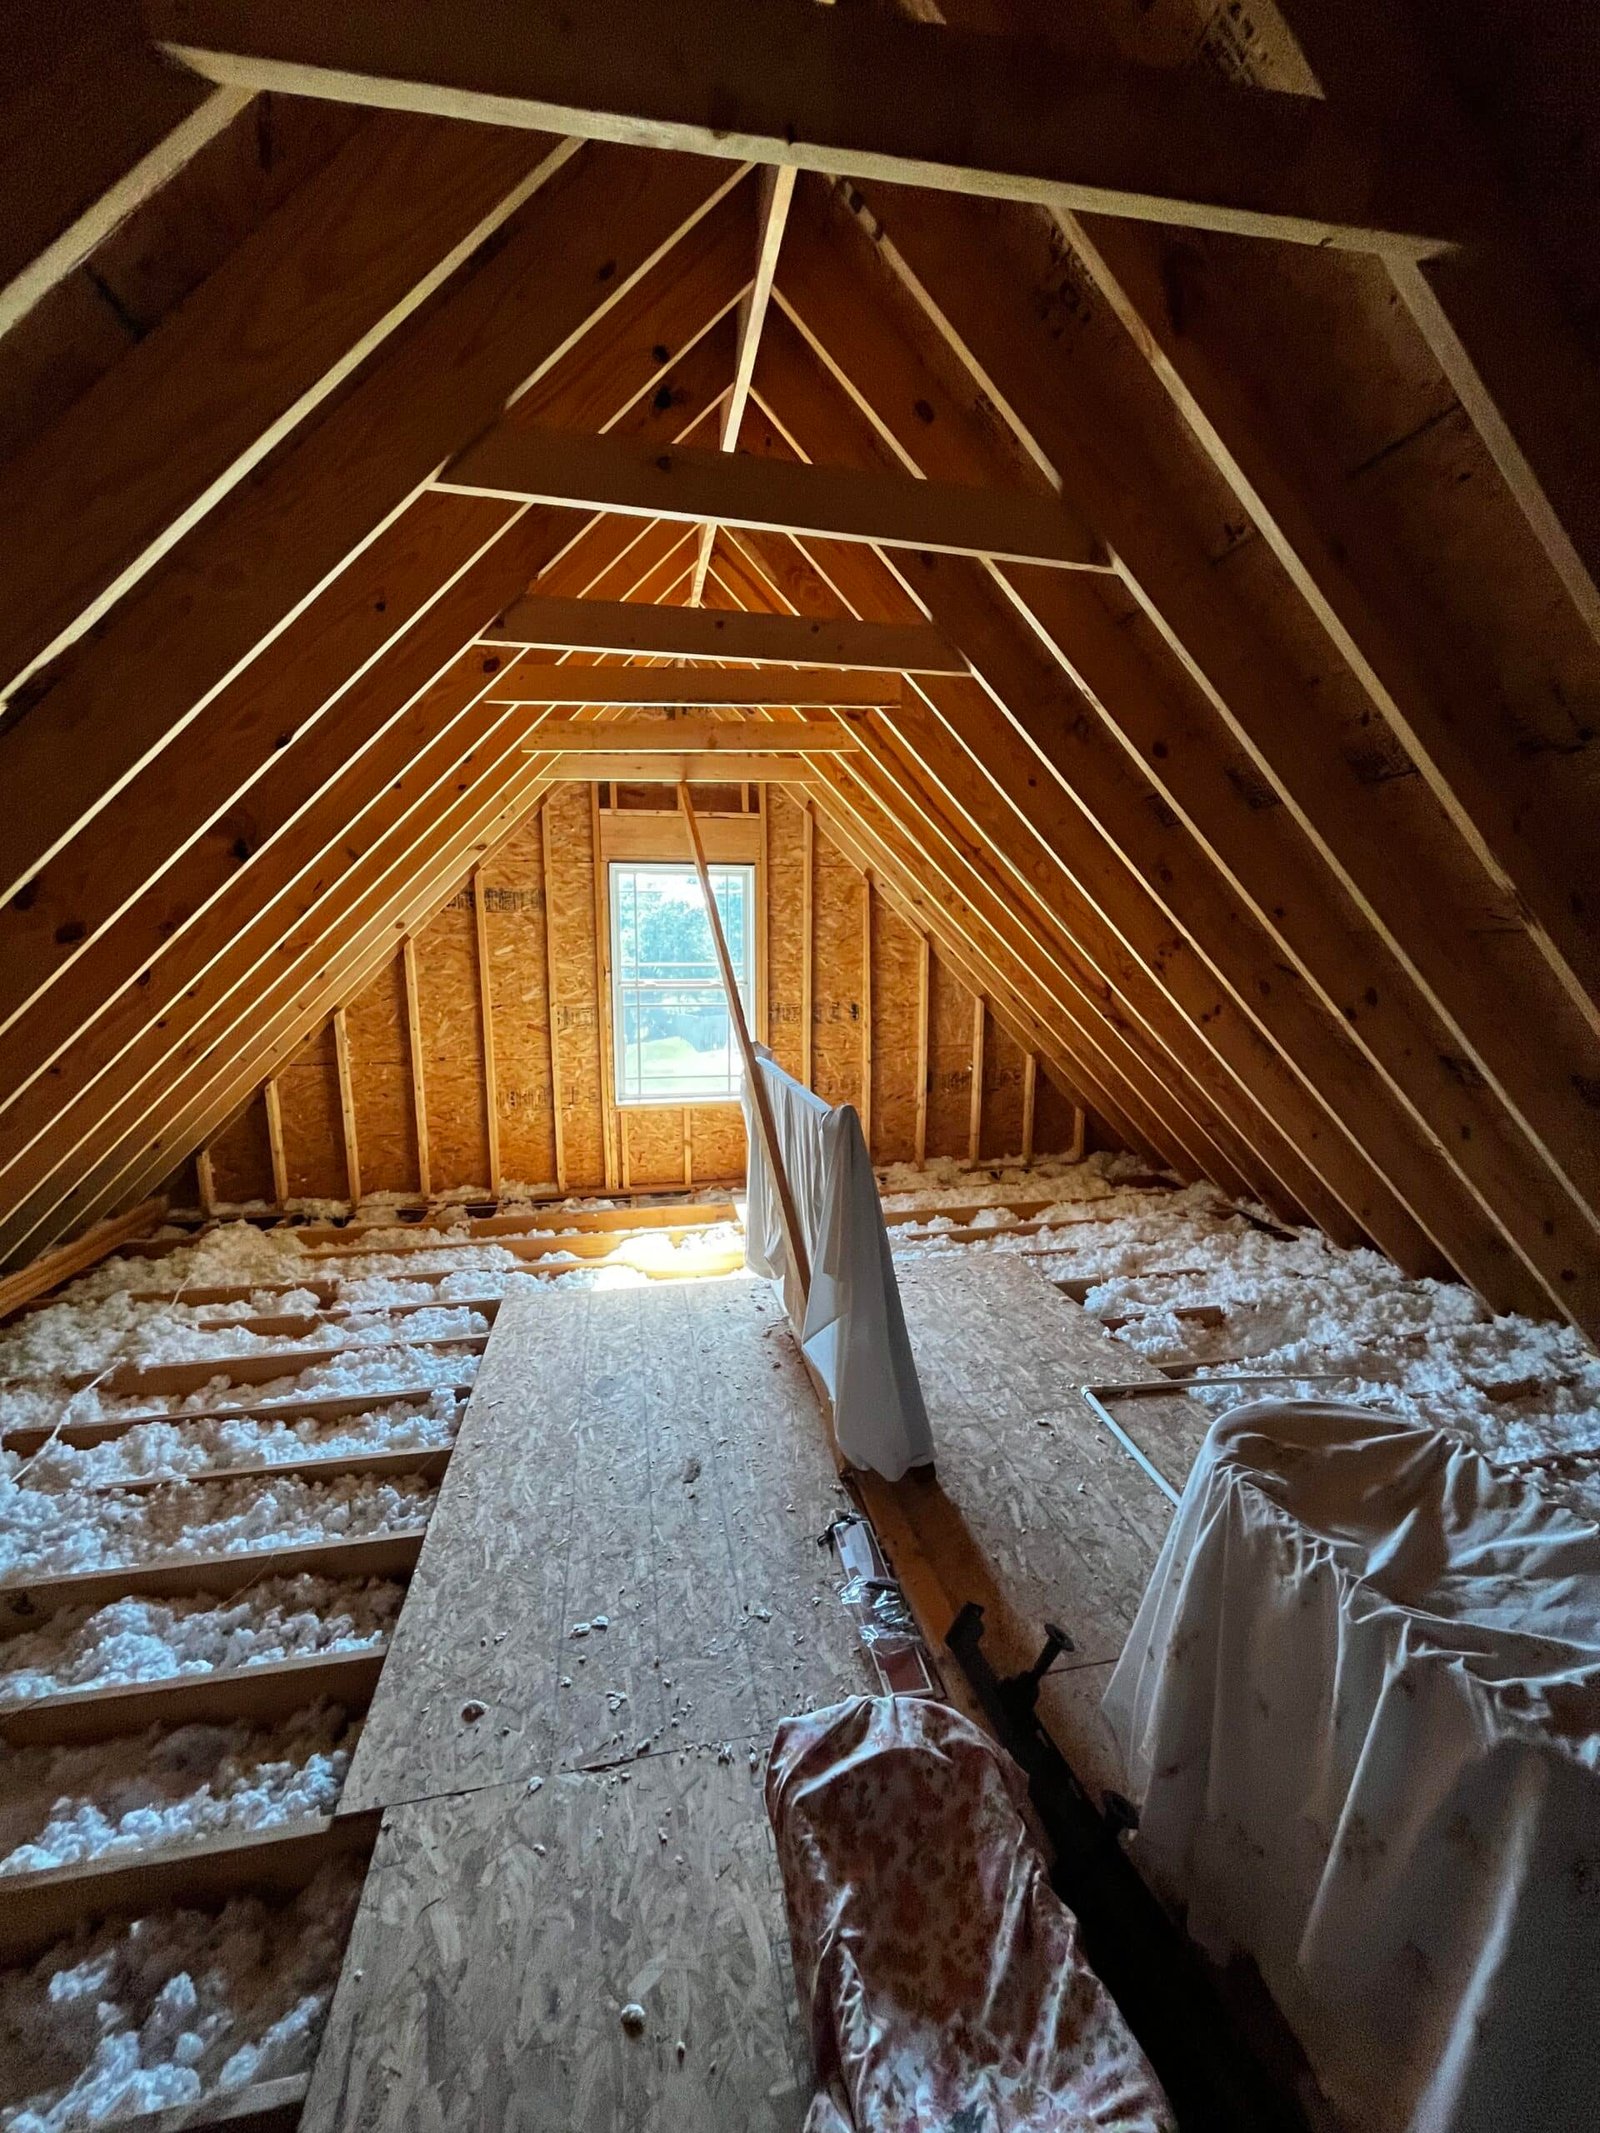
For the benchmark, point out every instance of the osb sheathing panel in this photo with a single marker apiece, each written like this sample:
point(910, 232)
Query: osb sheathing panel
point(452, 1043)
point(837, 891)
point(570, 916)
point(652, 1145)
point(380, 1073)
point(1002, 1092)
point(717, 1137)
point(313, 1134)
point(514, 926)
point(949, 1062)
point(1055, 1120)
point(241, 1158)
point(154, 258)
point(518, 908)
point(895, 1027)
point(786, 945)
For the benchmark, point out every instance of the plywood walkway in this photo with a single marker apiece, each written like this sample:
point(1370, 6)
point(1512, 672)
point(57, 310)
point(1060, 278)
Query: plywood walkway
point(654, 1456)
point(1037, 1513)
point(573, 1823)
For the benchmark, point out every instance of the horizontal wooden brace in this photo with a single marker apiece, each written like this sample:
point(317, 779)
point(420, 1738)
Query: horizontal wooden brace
point(714, 768)
point(790, 687)
point(683, 736)
point(849, 92)
point(715, 633)
point(638, 478)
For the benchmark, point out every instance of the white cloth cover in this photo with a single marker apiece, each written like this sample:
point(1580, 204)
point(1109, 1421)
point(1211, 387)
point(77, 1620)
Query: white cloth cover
point(853, 1329)
point(1360, 1708)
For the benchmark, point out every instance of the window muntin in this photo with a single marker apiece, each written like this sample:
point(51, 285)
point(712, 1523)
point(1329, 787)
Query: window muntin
point(674, 1043)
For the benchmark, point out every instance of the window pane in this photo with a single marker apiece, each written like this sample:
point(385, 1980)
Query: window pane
point(674, 1042)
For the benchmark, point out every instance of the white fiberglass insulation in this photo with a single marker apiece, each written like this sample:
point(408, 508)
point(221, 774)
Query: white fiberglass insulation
point(180, 1448)
point(1425, 1349)
point(130, 2017)
point(393, 1367)
point(50, 1533)
point(169, 1786)
point(141, 1639)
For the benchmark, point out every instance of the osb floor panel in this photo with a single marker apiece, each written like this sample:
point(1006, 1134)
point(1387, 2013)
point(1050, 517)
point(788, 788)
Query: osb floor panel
point(1037, 1512)
point(656, 1456)
point(500, 1932)
point(653, 1455)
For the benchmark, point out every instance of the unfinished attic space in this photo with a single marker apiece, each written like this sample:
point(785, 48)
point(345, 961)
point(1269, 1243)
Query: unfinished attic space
point(799, 1066)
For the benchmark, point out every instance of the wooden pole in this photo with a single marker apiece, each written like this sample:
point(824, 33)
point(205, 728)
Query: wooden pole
point(280, 1166)
point(793, 1241)
point(924, 1011)
point(808, 863)
point(866, 1011)
point(347, 1106)
point(1030, 1098)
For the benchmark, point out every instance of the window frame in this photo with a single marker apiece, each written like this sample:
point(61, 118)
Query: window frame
point(748, 977)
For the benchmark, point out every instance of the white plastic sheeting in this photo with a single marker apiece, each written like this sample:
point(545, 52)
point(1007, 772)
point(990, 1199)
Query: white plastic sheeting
point(1360, 1708)
point(851, 1327)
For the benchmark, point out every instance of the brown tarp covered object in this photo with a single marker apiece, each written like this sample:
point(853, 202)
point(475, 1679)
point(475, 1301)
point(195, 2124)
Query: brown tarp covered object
point(946, 1986)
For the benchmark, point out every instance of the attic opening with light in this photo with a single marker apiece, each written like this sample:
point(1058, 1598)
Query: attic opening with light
point(799, 1066)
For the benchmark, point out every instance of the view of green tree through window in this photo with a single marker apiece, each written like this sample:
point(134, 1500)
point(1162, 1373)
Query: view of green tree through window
point(674, 1041)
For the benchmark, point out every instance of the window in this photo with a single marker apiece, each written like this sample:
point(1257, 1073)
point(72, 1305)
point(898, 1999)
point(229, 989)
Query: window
point(674, 1041)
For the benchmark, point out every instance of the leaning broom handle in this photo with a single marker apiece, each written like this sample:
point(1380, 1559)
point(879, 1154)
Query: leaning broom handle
point(793, 1241)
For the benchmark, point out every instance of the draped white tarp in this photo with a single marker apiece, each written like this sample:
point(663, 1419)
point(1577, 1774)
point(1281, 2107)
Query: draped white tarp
point(1360, 1708)
point(852, 1327)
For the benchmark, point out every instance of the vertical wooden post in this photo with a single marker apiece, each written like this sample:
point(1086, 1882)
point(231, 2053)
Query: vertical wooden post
point(808, 863)
point(205, 1179)
point(866, 1011)
point(924, 1014)
point(491, 1079)
point(558, 1134)
point(975, 1110)
point(602, 980)
point(794, 1242)
point(1030, 1098)
point(280, 1167)
point(419, 1081)
point(347, 1106)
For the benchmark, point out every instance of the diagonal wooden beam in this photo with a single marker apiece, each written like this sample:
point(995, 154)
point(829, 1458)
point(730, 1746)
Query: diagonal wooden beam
point(1420, 906)
point(92, 125)
point(849, 92)
point(569, 256)
point(541, 466)
point(718, 633)
point(777, 190)
point(1496, 326)
point(136, 984)
point(139, 459)
point(263, 749)
point(1219, 371)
